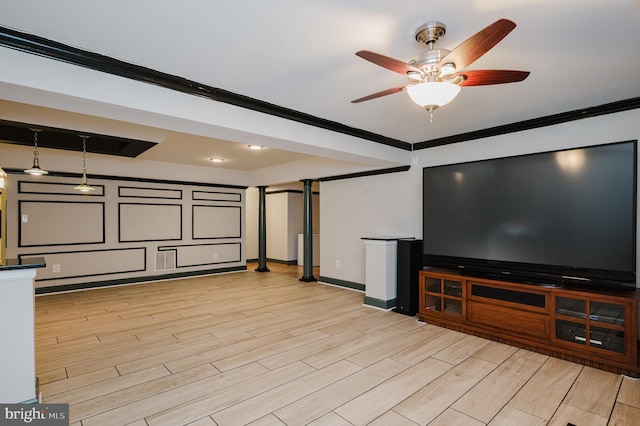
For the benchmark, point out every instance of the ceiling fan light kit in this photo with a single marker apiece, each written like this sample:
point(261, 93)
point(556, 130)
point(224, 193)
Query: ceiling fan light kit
point(436, 75)
point(433, 95)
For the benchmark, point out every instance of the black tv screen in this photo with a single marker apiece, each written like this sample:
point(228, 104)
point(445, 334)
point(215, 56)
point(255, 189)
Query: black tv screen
point(554, 218)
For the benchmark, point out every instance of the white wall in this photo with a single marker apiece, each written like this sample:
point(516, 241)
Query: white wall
point(277, 215)
point(381, 205)
point(295, 223)
point(392, 204)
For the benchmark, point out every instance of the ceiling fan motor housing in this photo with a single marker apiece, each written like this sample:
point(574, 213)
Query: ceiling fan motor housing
point(428, 60)
point(430, 32)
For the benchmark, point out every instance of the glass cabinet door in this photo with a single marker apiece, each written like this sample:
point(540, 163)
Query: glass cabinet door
point(443, 295)
point(575, 308)
point(433, 285)
point(590, 324)
point(609, 313)
point(453, 288)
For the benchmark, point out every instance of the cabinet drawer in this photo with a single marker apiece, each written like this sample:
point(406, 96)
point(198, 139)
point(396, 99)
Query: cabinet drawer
point(508, 319)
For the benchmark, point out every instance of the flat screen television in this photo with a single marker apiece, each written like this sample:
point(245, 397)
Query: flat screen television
point(561, 218)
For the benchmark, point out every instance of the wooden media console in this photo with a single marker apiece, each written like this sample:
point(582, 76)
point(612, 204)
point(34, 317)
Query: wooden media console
point(594, 328)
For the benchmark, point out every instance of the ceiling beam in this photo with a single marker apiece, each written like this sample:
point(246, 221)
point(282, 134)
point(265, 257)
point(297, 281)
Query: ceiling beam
point(50, 49)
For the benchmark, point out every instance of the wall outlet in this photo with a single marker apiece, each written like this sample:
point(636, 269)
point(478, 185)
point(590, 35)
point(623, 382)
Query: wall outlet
point(56, 268)
point(337, 263)
point(215, 256)
point(25, 218)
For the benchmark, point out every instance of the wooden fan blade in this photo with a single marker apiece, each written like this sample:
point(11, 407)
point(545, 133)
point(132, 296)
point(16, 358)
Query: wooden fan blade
point(487, 77)
point(392, 64)
point(379, 94)
point(478, 44)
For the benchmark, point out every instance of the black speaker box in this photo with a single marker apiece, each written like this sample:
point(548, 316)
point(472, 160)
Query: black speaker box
point(409, 263)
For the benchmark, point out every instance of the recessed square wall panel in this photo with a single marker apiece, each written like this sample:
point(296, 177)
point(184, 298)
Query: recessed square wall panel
point(149, 222)
point(216, 196)
point(205, 254)
point(92, 263)
point(56, 223)
point(161, 193)
point(52, 188)
point(216, 222)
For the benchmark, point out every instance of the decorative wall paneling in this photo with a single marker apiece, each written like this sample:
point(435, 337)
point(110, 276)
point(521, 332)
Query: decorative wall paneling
point(57, 223)
point(80, 264)
point(138, 222)
point(216, 222)
point(158, 193)
point(53, 188)
point(216, 196)
point(204, 254)
point(126, 231)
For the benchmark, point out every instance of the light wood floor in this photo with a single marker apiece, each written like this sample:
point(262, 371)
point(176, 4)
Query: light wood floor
point(268, 349)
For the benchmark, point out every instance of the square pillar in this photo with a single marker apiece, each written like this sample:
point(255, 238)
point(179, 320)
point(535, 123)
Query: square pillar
point(381, 271)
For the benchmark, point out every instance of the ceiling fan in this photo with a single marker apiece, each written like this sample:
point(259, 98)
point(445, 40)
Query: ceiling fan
point(436, 75)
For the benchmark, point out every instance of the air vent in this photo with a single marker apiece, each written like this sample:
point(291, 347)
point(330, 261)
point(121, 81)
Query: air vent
point(165, 260)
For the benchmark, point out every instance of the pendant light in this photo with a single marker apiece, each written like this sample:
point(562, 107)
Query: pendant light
point(35, 169)
point(84, 185)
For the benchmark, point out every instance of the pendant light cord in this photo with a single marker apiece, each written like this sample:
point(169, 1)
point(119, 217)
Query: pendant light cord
point(84, 154)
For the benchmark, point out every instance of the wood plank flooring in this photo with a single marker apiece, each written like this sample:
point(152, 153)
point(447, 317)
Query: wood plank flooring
point(267, 349)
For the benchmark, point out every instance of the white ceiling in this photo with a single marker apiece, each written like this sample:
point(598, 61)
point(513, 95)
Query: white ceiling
point(300, 54)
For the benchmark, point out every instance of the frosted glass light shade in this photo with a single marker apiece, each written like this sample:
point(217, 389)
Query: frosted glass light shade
point(84, 185)
point(36, 171)
point(432, 95)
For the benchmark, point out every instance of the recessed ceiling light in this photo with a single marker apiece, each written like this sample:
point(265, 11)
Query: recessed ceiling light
point(255, 147)
point(216, 159)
